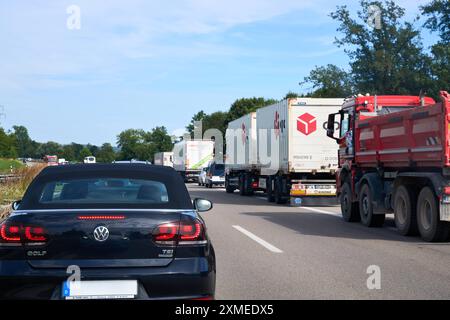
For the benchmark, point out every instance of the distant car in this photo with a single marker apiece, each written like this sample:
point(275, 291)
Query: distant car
point(132, 161)
point(90, 159)
point(215, 175)
point(129, 230)
point(202, 177)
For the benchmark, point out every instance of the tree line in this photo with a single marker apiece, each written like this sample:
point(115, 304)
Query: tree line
point(388, 59)
point(132, 144)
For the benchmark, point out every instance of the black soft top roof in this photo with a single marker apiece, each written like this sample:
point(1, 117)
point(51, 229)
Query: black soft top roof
point(178, 195)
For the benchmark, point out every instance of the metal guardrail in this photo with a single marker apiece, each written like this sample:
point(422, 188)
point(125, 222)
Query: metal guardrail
point(8, 177)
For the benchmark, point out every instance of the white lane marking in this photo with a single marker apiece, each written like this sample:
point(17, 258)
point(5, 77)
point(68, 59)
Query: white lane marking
point(322, 211)
point(262, 242)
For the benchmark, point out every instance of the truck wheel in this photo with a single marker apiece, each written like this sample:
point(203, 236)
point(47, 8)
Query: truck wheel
point(405, 211)
point(428, 221)
point(368, 218)
point(242, 190)
point(278, 192)
point(228, 188)
point(269, 191)
point(349, 209)
point(248, 184)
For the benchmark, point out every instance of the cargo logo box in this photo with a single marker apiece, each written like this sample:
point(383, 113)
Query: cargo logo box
point(306, 124)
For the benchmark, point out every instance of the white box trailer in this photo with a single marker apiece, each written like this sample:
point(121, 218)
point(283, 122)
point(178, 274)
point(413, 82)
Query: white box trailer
point(191, 156)
point(241, 141)
point(295, 160)
point(163, 159)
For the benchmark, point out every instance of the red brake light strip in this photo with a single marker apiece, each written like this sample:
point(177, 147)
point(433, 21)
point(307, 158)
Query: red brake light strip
point(101, 217)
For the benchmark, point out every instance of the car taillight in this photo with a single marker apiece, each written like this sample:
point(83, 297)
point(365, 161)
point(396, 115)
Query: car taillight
point(166, 234)
point(35, 234)
point(10, 233)
point(16, 235)
point(192, 232)
point(188, 232)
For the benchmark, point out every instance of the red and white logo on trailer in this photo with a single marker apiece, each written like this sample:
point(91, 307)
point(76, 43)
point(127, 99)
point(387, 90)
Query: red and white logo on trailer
point(306, 124)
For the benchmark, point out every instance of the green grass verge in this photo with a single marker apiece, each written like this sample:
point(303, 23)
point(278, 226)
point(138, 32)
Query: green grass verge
point(5, 165)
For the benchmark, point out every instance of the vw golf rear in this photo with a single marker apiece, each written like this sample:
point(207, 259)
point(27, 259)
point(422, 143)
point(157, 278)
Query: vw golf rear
point(107, 232)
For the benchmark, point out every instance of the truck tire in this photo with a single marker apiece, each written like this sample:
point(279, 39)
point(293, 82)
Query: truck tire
point(242, 185)
point(228, 188)
point(269, 191)
point(349, 209)
point(428, 221)
point(278, 192)
point(248, 184)
point(405, 211)
point(368, 218)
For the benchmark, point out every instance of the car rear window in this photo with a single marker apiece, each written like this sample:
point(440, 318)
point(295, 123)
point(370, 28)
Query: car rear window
point(218, 169)
point(107, 186)
point(104, 190)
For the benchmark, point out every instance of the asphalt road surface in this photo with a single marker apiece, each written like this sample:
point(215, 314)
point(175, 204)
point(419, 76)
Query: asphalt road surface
point(268, 251)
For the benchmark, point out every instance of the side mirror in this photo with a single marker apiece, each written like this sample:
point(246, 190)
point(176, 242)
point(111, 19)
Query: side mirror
point(15, 205)
point(202, 205)
point(331, 124)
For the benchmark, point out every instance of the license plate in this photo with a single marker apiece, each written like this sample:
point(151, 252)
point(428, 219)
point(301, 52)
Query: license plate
point(313, 190)
point(88, 290)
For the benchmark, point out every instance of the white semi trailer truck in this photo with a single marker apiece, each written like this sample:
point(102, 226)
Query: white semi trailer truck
point(163, 159)
point(282, 150)
point(191, 156)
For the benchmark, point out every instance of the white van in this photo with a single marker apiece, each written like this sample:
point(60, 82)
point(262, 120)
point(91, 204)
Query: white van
point(89, 159)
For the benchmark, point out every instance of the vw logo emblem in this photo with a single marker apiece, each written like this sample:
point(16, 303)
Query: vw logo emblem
point(101, 233)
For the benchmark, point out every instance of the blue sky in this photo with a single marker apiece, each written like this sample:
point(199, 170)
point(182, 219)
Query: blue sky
point(141, 63)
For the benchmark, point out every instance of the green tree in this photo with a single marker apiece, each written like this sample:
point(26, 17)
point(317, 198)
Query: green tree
point(8, 145)
point(216, 120)
point(291, 95)
point(24, 143)
point(244, 106)
point(438, 13)
point(68, 153)
point(50, 148)
point(106, 153)
point(159, 140)
point(329, 82)
point(384, 60)
point(85, 152)
point(134, 145)
point(199, 116)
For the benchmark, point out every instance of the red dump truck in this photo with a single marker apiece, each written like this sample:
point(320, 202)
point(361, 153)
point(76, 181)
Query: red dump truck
point(394, 157)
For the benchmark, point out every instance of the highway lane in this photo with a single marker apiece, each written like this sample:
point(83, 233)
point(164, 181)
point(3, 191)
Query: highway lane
point(267, 251)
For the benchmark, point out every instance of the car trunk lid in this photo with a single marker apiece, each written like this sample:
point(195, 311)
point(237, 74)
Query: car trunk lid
point(100, 238)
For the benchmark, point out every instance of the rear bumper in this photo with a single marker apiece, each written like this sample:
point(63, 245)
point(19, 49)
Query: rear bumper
point(216, 183)
point(186, 278)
